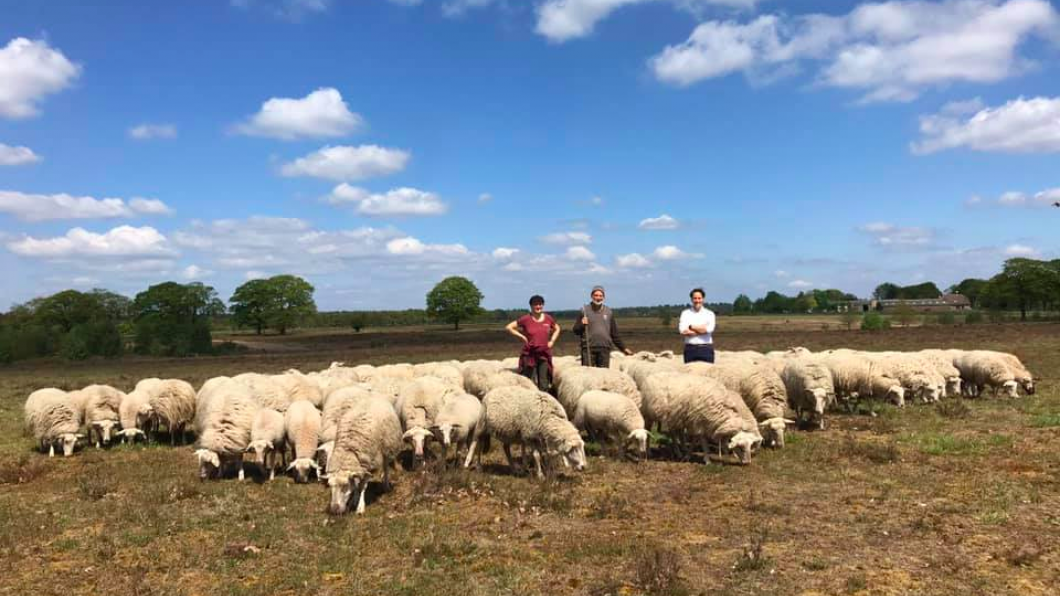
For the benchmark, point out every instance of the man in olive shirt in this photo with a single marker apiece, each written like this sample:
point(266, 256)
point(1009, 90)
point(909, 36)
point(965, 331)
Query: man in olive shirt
point(598, 331)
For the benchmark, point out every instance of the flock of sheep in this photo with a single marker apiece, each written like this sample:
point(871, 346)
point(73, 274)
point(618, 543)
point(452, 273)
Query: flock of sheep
point(347, 425)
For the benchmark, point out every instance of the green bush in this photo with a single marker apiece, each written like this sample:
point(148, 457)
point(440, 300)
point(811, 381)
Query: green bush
point(946, 318)
point(997, 316)
point(973, 317)
point(874, 321)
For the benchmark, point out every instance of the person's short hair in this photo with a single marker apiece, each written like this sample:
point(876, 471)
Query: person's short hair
point(597, 289)
point(536, 299)
point(693, 293)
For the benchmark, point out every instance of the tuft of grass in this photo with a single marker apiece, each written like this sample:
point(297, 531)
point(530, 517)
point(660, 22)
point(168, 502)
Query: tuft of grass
point(657, 571)
point(611, 504)
point(856, 583)
point(946, 444)
point(876, 452)
point(1045, 420)
point(754, 558)
point(26, 468)
point(954, 409)
point(93, 487)
point(1023, 555)
point(816, 564)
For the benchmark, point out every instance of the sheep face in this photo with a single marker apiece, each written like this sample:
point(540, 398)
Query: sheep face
point(260, 450)
point(103, 429)
point(743, 444)
point(1028, 386)
point(445, 431)
point(302, 468)
point(640, 436)
point(144, 416)
point(573, 453)
point(69, 441)
point(819, 398)
point(953, 386)
point(417, 436)
point(773, 431)
point(342, 485)
point(897, 396)
point(130, 434)
point(209, 463)
point(929, 394)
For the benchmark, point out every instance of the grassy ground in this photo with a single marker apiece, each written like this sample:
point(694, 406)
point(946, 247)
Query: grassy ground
point(963, 498)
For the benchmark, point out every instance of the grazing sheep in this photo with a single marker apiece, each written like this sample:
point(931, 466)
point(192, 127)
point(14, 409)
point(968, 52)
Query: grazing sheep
point(102, 412)
point(303, 423)
point(299, 386)
point(980, 369)
point(614, 416)
point(942, 360)
point(1020, 374)
point(761, 388)
point(915, 373)
point(223, 425)
point(475, 375)
point(368, 440)
point(52, 417)
point(810, 388)
point(855, 376)
point(574, 382)
point(135, 415)
point(703, 407)
point(265, 390)
point(456, 421)
point(418, 406)
point(172, 403)
point(504, 378)
point(443, 370)
point(529, 417)
point(266, 437)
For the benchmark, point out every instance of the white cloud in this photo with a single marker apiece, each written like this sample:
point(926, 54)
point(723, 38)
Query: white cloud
point(123, 241)
point(1021, 250)
point(632, 261)
point(344, 163)
point(596, 201)
point(891, 51)
point(393, 203)
point(457, 8)
point(501, 253)
point(30, 70)
point(17, 156)
point(895, 237)
point(564, 20)
point(580, 253)
point(409, 246)
point(670, 253)
point(144, 132)
point(84, 281)
point(781, 273)
point(485, 198)
point(193, 272)
point(800, 284)
point(663, 222)
point(254, 274)
point(321, 114)
point(33, 207)
point(567, 238)
point(1019, 126)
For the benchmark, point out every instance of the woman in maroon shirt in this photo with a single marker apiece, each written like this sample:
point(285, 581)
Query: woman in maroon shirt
point(538, 331)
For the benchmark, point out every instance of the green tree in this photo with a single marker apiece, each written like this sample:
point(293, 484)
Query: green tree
point(665, 316)
point(67, 309)
point(454, 299)
point(886, 291)
point(926, 290)
point(172, 319)
point(970, 288)
point(280, 302)
point(804, 302)
point(742, 305)
point(905, 315)
point(850, 317)
point(250, 304)
point(1022, 283)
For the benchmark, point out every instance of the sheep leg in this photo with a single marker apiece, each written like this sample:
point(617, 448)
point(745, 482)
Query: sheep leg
point(508, 454)
point(706, 449)
point(51, 450)
point(386, 476)
point(537, 463)
point(360, 500)
point(470, 453)
point(241, 473)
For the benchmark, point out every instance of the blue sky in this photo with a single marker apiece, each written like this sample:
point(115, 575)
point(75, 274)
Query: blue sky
point(376, 146)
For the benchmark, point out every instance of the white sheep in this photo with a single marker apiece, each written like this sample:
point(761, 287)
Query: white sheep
point(172, 403)
point(102, 412)
point(614, 416)
point(443, 370)
point(418, 406)
point(456, 421)
point(265, 390)
point(856, 376)
point(529, 417)
point(368, 441)
point(303, 423)
point(1020, 374)
point(574, 382)
point(267, 434)
point(810, 388)
point(942, 360)
point(299, 386)
point(915, 373)
point(475, 374)
point(134, 412)
point(52, 417)
point(703, 407)
point(761, 388)
point(504, 378)
point(980, 369)
point(227, 411)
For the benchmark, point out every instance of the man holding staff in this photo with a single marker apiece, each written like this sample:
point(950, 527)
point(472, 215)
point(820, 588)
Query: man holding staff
point(598, 331)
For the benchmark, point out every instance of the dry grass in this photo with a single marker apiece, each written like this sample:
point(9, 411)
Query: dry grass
point(912, 501)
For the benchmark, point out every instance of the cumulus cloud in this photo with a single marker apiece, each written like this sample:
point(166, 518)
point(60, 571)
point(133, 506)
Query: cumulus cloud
point(567, 238)
point(321, 114)
point(29, 71)
point(890, 51)
point(1045, 198)
point(670, 253)
point(663, 222)
point(413, 246)
point(35, 207)
point(193, 272)
point(888, 235)
point(346, 163)
point(123, 241)
point(564, 20)
point(800, 284)
point(1019, 126)
point(485, 198)
point(393, 203)
point(501, 253)
point(580, 253)
point(145, 132)
point(457, 8)
point(632, 261)
point(1021, 250)
point(17, 156)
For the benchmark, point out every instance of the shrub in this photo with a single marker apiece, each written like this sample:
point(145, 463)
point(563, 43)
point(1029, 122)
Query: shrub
point(973, 317)
point(946, 318)
point(874, 321)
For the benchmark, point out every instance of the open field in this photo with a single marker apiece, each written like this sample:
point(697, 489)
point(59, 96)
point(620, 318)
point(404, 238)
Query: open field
point(959, 498)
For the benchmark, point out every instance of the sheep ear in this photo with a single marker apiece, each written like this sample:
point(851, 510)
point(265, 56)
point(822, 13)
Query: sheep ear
point(408, 434)
point(290, 467)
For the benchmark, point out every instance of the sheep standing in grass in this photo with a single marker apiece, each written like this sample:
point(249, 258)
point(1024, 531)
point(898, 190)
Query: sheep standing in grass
point(303, 422)
point(418, 406)
point(335, 407)
point(1020, 374)
point(53, 418)
point(102, 412)
point(299, 386)
point(915, 373)
point(172, 403)
point(614, 416)
point(575, 382)
point(367, 442)
point(810, 388)
point(702, 407)
point(475, 375)
point(529, 417)
point(265, 390)
point(456, 422)
point(761, 388)
point(504, 378)
point(267, 441)
point(223, 426)
point(942, 361)
point(980, 369)
point(856, 376)
point(134, 412)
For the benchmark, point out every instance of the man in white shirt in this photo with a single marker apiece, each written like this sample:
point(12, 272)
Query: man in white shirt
point(697, 326)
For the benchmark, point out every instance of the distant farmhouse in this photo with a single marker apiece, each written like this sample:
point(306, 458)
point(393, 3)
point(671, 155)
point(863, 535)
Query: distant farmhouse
point(944, 303)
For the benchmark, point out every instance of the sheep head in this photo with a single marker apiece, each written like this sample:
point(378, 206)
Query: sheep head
point(897, 395)
point(640, 436)
point(772, 430)
point(445, 431)
point(819, 398)
point(1028, 385)
point(743, 444)
point(342, 484)
point(209, 463)
point(130, 434)
point(953, 386)
point(69, 441)
point(573, 452)
point(929, 394)
point(302, 468)
point(260, 448)
point(104, 427)
point(417, 436)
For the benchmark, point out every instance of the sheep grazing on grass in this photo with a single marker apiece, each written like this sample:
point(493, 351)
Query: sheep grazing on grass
point(134, 412)
point(810, 388)
point(335, 408)
point(265, 390)
point(613, 416)
point(761, 388)
point(418, 406)
point(368, 441)
point(299, 386)
point(172, 403)
point(702, 407)
point(102, 412)
point(856, 376)
point(981, 369)
point(915, 373)
point(575, 382)
point(456, 421)
point(53, 418)
point(267, 441)
point(504, 378)
point(531, 418)
point(1020, 374)
point(223, 426)
point(302, 423)
point(942, 361)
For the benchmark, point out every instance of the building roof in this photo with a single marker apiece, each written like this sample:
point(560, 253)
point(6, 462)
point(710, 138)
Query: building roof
point(956, 299)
